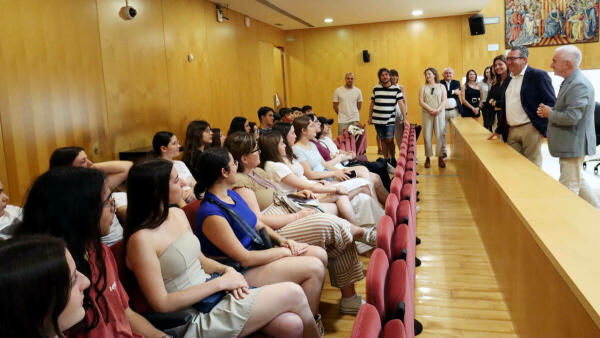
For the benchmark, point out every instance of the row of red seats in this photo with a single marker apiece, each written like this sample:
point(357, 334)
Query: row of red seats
point(391, 271)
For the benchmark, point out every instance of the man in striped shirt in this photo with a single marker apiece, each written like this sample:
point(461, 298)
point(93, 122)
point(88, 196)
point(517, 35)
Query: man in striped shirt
point(382, 112)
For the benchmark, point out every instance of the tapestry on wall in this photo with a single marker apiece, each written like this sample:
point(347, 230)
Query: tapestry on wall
point(538, 23)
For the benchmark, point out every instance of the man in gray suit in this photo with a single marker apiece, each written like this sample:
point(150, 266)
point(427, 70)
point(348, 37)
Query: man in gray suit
point(571, 133)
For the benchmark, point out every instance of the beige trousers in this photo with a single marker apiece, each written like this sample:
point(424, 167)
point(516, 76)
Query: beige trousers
point(332, 234)
point(527, 141)
point(571, 176)
point(433, 124)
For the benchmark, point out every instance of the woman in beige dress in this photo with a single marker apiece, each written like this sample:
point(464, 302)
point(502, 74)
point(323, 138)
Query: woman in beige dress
point(432, 99)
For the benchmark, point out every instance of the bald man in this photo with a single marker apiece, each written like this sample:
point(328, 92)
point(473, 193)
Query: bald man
point(347, 101)
point(571, 134)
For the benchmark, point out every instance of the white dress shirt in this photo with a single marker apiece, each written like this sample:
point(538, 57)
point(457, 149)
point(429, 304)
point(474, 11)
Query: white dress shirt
point(515, 115)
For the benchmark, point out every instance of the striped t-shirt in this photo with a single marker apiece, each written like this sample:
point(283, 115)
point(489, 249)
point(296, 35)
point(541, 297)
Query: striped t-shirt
point(384, 106)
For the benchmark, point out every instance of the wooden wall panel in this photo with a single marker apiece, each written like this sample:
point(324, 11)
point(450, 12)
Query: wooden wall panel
point(189, 82)
point(135, 72)
point(319, 58)
point(51, 85)
point(267, 73)
point(278, 73)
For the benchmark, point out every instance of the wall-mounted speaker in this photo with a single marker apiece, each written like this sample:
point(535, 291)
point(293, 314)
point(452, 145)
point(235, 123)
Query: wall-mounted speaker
point(366, 56)
point(476, 24)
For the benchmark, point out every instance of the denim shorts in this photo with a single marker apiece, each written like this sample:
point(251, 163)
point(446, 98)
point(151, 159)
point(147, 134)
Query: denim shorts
point(385, 131)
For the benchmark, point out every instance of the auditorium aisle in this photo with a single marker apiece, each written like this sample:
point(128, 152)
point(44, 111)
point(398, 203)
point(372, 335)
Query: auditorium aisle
point(456, 292)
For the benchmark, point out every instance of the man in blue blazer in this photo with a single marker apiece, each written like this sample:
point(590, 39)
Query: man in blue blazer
point(528, 88)
point(571, 132)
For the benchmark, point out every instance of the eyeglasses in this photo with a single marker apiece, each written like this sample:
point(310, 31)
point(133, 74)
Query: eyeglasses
point(257, 150)
point(109, 202)
point(514, 58)
point(235, 163)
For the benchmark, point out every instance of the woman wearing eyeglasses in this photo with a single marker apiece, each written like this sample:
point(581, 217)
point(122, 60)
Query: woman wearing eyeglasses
point(75, 204)
point(432, 99)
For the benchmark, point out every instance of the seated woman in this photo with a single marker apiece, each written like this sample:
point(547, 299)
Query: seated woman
point(227, 229)
point(10, 215)
point(370, 210)
point(42, 292)
point(330, 152)
point(315, 167)
point(198, 137)
point(75, 204)
point(218, 139)
point(166, 146)
point(305, 225)
point(173, 274)
point(115, 171)
point(239, 123)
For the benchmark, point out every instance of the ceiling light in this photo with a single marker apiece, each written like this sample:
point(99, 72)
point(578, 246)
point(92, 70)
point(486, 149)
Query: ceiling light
point(328, 20)
point(417, 12)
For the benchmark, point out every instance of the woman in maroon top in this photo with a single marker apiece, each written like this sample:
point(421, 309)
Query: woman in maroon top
point(75, 204)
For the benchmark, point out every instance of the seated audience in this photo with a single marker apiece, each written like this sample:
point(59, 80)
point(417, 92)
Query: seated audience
point(75, 204)
point(239, 123)
point(166, 146)
point(316, 168)
point(358, 194)
point(173, 274)
point(266, 116)
point(307, 110)
point(10, 215)
point(254, 130)
point(42, 291)
point(198, 137)
point(296, 111)
point(229, 231)
point(286, 115)
point(218, 139)
point(115, 171)
point(305, 224)
point(341, 159)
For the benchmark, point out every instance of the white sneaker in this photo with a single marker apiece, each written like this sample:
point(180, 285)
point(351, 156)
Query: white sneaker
point(320, 325)
point(417, 209)
point(351, 305)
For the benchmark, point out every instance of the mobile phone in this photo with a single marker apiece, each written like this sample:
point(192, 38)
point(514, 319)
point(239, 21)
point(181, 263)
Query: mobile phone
point(352, 174)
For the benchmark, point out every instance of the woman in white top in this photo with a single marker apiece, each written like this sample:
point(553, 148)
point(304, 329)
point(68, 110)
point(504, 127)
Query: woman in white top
point(166, 146)
point(8, 215)
point(432, 99)
point(315, 167)
point(359, 195)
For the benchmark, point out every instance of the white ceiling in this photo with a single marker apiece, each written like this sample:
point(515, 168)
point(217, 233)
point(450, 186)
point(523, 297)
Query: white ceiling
point(347, 12)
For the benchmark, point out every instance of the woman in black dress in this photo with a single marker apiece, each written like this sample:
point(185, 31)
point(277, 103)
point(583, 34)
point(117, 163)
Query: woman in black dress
point(471, 95)
point(496, 96)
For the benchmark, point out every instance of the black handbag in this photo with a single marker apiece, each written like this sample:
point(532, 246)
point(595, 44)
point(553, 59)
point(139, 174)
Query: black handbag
point(208, 303)
point(260, 239)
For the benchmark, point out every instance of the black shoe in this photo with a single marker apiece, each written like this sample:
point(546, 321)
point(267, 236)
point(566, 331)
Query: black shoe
point(417, 261)
point(444, 155)
point(417, 241)
point(393, 162)
point(418, 327)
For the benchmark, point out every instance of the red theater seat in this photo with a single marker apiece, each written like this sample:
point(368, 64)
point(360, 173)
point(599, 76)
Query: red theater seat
point(190, 212)
point(376, 281)
point(367, 323)
point(396, 187)
point(391, 207)
point(385, 231)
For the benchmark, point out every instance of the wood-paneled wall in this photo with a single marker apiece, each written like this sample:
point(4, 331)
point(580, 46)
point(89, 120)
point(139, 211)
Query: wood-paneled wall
point(75, 73)
point(319, 58)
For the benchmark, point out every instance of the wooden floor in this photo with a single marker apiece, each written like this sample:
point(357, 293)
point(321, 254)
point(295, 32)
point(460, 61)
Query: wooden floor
point(456, 292)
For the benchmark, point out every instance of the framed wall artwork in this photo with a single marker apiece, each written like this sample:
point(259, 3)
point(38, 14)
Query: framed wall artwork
point(537, 23)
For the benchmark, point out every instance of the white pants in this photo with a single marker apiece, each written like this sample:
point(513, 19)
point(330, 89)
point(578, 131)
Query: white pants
point(433, 124)
point(571, 176)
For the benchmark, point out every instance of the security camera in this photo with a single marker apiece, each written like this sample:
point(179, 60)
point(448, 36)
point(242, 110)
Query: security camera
point(128, 12)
